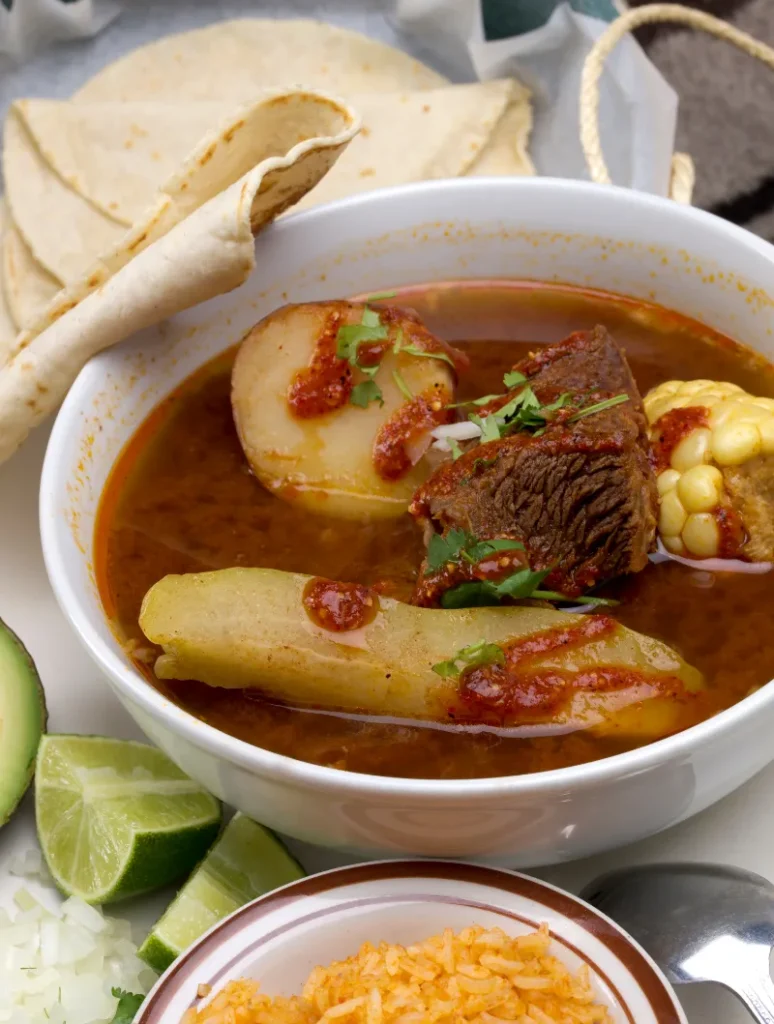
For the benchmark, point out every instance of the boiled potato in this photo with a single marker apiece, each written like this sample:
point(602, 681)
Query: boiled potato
point(249, 628)
point(325, 461)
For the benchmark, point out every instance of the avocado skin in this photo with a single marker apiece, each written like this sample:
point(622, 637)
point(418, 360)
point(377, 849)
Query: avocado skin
point(27, 675)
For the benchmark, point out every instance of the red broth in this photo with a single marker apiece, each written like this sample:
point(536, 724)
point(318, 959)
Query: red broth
point(181, 499)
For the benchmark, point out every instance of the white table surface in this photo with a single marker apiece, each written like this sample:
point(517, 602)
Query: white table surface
point(739, 830)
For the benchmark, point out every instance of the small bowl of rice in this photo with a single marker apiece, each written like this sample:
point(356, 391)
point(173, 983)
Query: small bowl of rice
point(414, 942)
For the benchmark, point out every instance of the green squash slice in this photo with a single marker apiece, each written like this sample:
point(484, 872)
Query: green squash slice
point(249, 629)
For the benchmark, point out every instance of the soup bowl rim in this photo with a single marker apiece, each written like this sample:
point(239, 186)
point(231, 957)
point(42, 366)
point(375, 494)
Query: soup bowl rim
point(130, 682)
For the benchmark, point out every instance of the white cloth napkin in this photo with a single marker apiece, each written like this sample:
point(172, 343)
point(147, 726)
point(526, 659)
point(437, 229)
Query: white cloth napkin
point(31, 24)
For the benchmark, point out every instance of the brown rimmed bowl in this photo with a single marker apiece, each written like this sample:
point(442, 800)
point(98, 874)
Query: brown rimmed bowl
point(278, 939)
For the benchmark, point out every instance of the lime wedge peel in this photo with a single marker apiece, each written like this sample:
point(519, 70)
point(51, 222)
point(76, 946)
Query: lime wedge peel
point(117, 818)
point(246, 862)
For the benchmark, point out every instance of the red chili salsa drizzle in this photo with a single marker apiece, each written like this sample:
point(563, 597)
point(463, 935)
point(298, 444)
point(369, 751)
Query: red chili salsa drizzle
point(671, 428)
point(492, 567)
point(391, 451)
point(511, 693)
point(326, 384)
point(339, 607)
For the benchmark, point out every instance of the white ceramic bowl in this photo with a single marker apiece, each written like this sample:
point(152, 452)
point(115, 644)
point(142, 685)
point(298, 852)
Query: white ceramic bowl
point(279, 939)
point(468, 228)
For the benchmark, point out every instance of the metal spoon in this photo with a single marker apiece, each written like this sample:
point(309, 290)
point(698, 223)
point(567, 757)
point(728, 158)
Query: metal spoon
point(699, 922)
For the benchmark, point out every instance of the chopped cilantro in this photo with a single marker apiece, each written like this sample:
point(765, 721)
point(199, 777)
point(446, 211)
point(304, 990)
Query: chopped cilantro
point(480, 653)
point(513, 378)
point(523, 412)
point(381, 295)
point(415, 350)
point(484, 400)
point(553, 595)
point(403, 387)
point(482, 464)
point(454, 449)
point(459, 545)
point(489, 426)
point(518, 585)
point(608, 403)
point(351, 336)
point(365, 392)
point(128, 1005)
point(441, 550)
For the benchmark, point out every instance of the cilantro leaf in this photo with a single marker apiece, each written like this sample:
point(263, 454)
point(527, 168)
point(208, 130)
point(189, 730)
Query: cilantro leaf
point(351, 336)
point(477, 552)
point(480, 653)
point(521, 584)
point(458, 544)
point(482, 463)
point(518, 585)
point(365, 392)
point(513, 378)
point(594, 602)
point(415, 350)
point(475, 594)
point(489, 426)
point(128, 1005)
point(403, 387)
point(441, 550)
point(608, 403)
point(454, 448)
point(381, 295)
point(484, 400)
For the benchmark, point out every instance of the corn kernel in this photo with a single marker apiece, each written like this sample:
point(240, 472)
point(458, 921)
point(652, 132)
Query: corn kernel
point(701, 535)
point(673, 544)
point(746, 412)
point(766, 430)
point(667, 481)
point(671, 515)
point(700, 488)
point(690, 387)
point(692, 451)
point(734, 442)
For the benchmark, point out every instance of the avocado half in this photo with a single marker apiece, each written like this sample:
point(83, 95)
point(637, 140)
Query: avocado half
point(22, 720)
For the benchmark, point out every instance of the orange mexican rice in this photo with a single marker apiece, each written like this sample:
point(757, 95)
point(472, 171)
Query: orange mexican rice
point(478, 976)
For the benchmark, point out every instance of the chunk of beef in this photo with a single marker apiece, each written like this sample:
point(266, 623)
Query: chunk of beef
point(581, 496)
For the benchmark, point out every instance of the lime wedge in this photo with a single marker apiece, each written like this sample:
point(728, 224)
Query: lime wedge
point(117, 818)
point(247, 861)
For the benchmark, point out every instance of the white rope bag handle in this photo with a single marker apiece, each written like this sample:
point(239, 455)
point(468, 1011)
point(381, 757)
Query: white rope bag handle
point(683, 174)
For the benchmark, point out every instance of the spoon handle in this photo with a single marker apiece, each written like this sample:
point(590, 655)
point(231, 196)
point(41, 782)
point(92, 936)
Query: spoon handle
point(757, 994)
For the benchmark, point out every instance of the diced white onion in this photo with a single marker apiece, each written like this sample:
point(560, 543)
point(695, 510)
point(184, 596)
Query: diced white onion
point(463, 431)
point(712, 564)
point(59, 963)
point(416, 449)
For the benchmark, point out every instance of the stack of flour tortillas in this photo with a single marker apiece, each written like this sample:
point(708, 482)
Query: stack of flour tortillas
point(116, 200)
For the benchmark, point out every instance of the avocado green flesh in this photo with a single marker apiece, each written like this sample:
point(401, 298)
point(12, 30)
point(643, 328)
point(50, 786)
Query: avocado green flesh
point(22, 720)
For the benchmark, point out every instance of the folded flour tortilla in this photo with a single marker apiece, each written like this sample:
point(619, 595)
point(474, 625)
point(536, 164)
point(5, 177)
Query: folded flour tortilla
point(115, 155)
point(194, 242)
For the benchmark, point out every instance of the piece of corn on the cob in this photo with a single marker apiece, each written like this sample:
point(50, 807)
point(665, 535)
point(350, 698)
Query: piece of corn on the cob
point(726, 428)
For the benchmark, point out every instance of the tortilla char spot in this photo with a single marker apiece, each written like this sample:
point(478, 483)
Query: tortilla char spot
point(138, 241)
point(27, 366)
point(41, 389)
point(94, 280)
point(365, 131)
point(129, 144)
point(208, 154)
point(30, 403)
point(367, 172)
point(229, 135)
point(183, 186)
point(425, 108)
